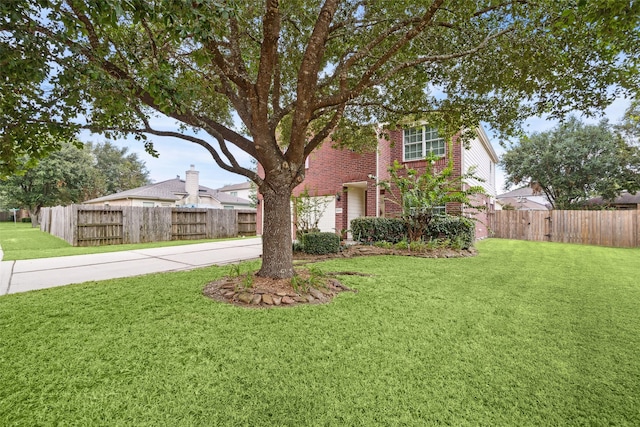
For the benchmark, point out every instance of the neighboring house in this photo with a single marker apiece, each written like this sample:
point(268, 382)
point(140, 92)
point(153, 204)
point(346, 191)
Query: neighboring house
point(19, 214)
point(524, 198)
point(626, 201)
point(243, 190)
point(347, 182)
point(174, 193)
point(519, 204)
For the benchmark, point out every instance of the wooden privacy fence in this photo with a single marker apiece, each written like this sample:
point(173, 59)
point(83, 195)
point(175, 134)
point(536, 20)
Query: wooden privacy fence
point(604, 228)
point(113, 225)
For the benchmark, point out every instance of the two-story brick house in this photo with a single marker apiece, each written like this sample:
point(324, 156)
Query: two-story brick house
point(347, 182)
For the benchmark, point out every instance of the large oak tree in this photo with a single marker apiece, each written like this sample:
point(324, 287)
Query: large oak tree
point(297, 72)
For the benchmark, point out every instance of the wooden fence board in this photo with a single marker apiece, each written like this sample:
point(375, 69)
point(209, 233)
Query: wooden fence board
point(605, 228)
point(99, 225)
point(246, 222)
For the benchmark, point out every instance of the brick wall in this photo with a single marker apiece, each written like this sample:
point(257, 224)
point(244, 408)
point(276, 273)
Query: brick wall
point(392, 149)
point(330, 169)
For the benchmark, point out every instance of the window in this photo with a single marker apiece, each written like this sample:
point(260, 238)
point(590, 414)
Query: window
point(148, 204)
point(420, 141)
point(234, 193)
point(227, 207)
point(439, 210)
point(436, 210)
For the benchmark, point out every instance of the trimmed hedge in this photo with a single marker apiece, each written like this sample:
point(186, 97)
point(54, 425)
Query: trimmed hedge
point(378, 229)
point(455, 228)
point(320, 243)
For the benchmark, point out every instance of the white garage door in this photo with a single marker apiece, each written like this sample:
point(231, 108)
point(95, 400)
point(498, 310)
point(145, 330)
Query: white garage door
point(328, 217)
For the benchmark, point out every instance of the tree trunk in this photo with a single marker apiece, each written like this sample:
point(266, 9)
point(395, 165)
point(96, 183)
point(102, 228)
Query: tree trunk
point(277, 251)
point(35, 217)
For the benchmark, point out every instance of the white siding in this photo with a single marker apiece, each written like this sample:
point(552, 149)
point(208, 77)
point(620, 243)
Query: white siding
point(485, 167)
point(243, 194)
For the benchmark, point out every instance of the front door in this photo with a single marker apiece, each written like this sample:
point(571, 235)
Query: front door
point(356, 205)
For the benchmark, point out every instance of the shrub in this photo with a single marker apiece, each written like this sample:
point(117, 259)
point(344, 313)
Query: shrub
point(26, 219)
point(402, 245)
point(377, 229)
point(320, 243)
point(456, 229)
point(383, 245)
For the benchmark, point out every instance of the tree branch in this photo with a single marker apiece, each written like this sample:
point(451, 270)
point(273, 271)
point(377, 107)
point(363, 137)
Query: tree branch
point(268, 54)
point(444, 57)
point(365, 80)
point(308, 75)
point(325, 131)
point(234, 167)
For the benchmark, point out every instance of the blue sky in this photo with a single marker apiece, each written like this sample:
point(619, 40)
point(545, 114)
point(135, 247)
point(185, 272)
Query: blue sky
point(176, 155)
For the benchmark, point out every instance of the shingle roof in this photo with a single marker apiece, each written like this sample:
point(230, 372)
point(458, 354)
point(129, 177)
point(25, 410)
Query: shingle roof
point(232, 187)
point(170, 190)
point(518, 192)
point(223, 198)
point(164, 190)
point(522, 204)
point(625, 198)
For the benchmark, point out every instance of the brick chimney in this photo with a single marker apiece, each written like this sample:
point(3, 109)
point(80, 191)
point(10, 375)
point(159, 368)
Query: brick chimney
point(192, 186)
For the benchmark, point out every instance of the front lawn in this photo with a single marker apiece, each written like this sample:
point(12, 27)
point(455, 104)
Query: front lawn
point(525, 333)
point(21, 241)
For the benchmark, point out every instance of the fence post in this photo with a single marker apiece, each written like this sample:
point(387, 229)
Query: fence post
point(637, 224)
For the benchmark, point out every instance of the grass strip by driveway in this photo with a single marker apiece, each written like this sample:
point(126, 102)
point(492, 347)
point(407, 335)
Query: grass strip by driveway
point(524, 334)
point(20, 241)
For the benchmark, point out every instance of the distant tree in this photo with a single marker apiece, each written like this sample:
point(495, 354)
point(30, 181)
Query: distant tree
point(629, 128)
point(119, 169)
point(574, 162)
point(65, 176)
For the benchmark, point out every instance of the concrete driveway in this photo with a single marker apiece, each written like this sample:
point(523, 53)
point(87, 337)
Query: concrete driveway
point(33, 274)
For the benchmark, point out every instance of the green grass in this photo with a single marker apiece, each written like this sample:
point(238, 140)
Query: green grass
point(524, 334)
point(21, 241)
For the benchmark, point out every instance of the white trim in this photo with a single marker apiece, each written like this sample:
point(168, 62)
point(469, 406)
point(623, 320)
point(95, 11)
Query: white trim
point(484, 139)
point(423, 142)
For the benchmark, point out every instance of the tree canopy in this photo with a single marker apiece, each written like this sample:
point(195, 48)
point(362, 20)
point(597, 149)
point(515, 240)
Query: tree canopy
point(65, 176)
point(629, 127)
point(296, 72)
point(574, 162)
point(73, 175)
point(119, 170)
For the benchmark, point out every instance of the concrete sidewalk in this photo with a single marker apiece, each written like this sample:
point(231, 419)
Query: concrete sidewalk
point(33, 274)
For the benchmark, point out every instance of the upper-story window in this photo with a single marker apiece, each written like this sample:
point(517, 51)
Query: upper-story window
point(420, 141)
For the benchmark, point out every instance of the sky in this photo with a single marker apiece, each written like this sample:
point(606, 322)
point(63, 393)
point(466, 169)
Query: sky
point(176, 156)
